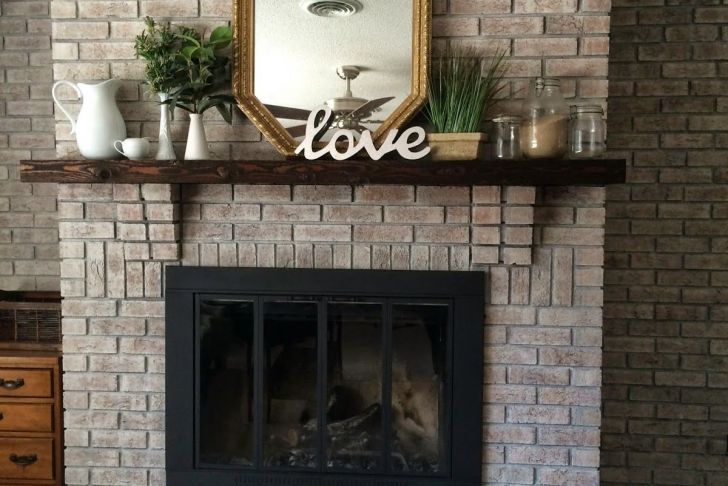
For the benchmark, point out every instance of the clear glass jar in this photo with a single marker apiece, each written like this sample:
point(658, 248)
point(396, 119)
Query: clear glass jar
point(544, 128)
point(507, 137)
point(587, 131)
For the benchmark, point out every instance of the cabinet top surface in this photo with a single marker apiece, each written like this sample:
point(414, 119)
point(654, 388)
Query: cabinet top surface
point(13, 357)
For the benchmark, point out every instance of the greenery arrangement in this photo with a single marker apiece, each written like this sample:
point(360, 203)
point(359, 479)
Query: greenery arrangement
point(194, 72)
point(460, 93)
point(159, 45)
point(204, 74)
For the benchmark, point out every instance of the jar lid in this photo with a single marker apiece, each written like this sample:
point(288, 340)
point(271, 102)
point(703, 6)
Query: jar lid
point(541, 82)
point(587, 109)
point(507, 119)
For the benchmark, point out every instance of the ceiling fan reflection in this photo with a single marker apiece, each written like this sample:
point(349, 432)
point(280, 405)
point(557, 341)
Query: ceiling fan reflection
point(350, 112)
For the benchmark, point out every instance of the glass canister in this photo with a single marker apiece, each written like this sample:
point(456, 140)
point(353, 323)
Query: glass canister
point(587, 131)
point(544, 128)
point(507, 137)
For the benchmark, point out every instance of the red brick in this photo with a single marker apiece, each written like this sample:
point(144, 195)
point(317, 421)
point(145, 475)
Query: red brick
point(552, 456)
point(509, 434)
point(384, 194)
point(383, 233)
point(538, 414)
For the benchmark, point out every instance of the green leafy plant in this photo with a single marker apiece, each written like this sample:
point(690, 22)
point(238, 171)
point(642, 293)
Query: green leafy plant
point(203, 75)
point(460, 92)
point(159, 46)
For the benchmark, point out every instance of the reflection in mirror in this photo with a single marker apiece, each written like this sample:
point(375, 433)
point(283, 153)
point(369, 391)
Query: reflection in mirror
point(353, 55)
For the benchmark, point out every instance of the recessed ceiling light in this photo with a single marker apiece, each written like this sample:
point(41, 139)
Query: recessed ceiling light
point(331, 8)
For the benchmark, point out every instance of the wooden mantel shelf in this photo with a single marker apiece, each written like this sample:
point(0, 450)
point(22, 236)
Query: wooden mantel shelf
point(597, 172)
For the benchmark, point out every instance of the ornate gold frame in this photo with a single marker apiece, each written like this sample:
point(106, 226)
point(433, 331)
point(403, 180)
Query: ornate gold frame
point(244, 58)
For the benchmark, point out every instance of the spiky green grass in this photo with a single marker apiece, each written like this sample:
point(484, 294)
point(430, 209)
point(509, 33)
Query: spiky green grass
point(462, 88)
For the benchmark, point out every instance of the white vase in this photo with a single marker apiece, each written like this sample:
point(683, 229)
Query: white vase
point(165, 150)
point(197, 148)
point(99, 122)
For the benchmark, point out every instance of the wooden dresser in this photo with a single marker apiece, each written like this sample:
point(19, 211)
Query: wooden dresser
point(31, 432)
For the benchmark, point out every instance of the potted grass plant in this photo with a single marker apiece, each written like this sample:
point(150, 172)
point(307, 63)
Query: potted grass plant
point(463, 87)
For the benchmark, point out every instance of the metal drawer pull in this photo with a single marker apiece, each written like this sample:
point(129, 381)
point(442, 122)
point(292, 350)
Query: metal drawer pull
point(12, 384)
point(23, 460)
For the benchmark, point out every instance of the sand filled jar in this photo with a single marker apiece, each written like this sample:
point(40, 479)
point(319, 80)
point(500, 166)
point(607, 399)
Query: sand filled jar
point(544, 127)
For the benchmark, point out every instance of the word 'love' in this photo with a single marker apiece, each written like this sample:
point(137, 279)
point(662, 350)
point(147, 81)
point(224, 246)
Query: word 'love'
point(319, 121)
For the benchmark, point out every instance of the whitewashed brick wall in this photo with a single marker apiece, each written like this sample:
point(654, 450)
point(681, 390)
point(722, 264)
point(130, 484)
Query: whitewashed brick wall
point(544, 321)
point(28, 234)
point(543, 317)
point(93, 40)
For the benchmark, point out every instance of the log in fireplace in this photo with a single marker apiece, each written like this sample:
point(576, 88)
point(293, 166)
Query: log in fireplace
point(323, 377)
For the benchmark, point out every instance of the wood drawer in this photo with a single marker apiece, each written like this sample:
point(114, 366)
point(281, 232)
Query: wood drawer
point(26, 417)
point(38, 453)
point(18, 382)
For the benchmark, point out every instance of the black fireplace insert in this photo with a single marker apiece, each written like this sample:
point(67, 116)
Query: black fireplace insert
point(304, 377)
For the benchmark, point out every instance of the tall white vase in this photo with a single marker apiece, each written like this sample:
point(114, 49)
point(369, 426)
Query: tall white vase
point(165, 150)
point(197, 148)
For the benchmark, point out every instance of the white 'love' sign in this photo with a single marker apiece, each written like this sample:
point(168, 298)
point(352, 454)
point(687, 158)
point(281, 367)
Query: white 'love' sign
point(319, 120)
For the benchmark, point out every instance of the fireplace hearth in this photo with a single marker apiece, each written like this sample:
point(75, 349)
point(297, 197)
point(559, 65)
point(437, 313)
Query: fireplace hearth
point(323, 377)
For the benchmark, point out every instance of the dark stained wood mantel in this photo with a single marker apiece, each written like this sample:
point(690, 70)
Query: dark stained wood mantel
point(595, 172)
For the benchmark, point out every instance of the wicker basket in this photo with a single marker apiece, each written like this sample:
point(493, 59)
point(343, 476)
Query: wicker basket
point(30, 319)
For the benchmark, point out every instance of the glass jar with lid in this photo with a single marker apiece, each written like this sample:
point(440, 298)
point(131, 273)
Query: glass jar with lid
point(544, 128)
point(587, 131)
point(506, 137)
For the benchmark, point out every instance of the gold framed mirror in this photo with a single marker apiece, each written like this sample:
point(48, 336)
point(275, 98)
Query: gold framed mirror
point(366, 59)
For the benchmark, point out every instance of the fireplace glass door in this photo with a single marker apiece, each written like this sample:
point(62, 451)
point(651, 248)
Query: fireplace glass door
point(372, 371)
point(290, 401)
point(354, 439)
point(226, 375)
point(279, 377)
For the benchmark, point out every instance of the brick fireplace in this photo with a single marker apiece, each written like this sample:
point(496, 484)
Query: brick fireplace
point(541, 251)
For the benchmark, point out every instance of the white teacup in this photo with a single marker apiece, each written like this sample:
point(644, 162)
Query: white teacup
point(133, 148)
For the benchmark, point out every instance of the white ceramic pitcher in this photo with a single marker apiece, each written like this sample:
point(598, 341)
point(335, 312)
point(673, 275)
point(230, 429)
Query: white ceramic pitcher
point(99, 122)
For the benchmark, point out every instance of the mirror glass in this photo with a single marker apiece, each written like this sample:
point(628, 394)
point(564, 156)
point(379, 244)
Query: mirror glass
point(356, 56)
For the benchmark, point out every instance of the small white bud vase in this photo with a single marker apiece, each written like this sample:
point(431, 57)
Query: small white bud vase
point(197, 148)
point(165, 150)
